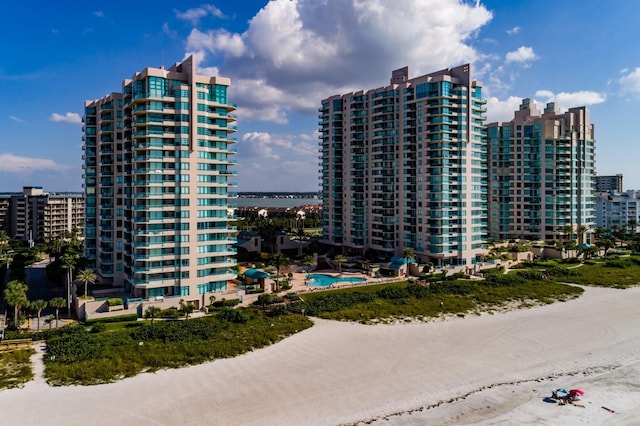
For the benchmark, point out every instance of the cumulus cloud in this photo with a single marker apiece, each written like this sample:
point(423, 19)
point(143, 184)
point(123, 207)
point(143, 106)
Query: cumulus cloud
point(498, 110)
point(195, 14)
point(514, 30)
point(630, 82)
point(69, 117)
point(305, 51)
point(257, 145)
point(276, 146)
point(15, 164)
point(571, 99)
point(523, 54)
point(216, 41)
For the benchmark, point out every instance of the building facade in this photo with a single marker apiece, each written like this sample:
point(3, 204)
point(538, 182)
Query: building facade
point(405, 167)
point(158, 176)
point(609, 183)
point(542, 175)
point(618, 210)
point(36, 216)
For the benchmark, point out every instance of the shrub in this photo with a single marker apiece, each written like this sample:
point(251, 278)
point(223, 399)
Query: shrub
point(237, 316)
point(224, 303)
point(119, 318)
point(393, 293)
point(171, 313)
point(615, 264)
point(115, 301)
point(256, 290)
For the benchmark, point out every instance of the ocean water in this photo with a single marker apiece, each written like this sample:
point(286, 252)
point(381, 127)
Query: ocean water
point(274, 202)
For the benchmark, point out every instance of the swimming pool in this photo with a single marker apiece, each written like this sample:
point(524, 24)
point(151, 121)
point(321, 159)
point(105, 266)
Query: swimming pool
point(323, 280)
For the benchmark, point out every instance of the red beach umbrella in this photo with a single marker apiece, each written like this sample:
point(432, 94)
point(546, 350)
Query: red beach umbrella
point(578, 391)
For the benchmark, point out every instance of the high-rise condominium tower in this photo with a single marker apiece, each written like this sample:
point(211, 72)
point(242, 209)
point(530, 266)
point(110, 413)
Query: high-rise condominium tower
point(405, 167)
point(158, 164)
point(542, 175)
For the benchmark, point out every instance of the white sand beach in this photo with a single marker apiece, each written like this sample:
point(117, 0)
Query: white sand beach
point(489, 369)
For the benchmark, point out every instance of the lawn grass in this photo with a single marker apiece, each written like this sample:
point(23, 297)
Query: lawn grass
point(619, 273)
point(86, 357)
point(391, 302)
point(15, 368)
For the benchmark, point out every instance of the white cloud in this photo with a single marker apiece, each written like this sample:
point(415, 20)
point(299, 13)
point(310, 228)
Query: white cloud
point(257, 144)
point(70, 117)
point(17, 119)
point(195, 14)
point(498, 110)
point(514, 30)
point(14, 164)
point(566, 100)
point(523, 54)
point(168, 31)
point(216, 41)
point(630, 82)
point(295, 53)
point(98, 14)
point(275, 146)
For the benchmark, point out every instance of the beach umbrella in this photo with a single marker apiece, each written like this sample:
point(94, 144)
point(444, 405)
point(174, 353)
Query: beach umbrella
point(577, 391)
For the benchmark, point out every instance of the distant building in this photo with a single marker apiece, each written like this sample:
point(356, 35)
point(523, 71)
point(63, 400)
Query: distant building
point(542, 174)
point(35, 215)
point(158, 174)
point(405, 167)
point(618, 210)
point(609, 183)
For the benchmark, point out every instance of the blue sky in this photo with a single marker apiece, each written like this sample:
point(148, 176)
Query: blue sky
point(284, 56)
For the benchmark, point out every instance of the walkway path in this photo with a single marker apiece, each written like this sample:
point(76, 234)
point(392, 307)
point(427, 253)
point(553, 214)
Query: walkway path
point(37, 364)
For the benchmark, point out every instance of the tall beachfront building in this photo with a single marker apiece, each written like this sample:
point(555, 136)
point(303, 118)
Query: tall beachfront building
point(405, 166)
point(159, 168)
point(542, 175)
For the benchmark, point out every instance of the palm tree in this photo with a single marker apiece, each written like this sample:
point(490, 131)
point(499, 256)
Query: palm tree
point(581, 231)
point(15, 294)
point(38, 306)
point(278, 260)
point(68, 263)
point(152, 312)
point(568, 232)
point(86, 276)
point(186, 308)
point(300, 234)
point(408, 254)
point(340, 259)
point(57, 303)
point(49, 320)
point(308, 261)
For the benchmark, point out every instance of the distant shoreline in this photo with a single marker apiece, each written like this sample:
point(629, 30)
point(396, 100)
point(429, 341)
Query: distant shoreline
point(274, 202)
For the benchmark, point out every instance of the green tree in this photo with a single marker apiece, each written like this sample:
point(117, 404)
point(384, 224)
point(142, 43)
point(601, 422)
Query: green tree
point(86, 276)
point(582, 229)
point(186, 308)
point(38, 306)
point(568, 232)
point(152, 313)
point(15, 295)
point(49, 320)
point(308, 262)
point(57, 303)
point(407, 253)
point(278, 260)
point(340, 259)
point(300, 234)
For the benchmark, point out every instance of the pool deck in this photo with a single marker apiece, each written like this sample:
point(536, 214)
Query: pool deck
point(299, 283)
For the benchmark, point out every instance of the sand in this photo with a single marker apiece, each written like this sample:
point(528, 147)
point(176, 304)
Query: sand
point(487, 369)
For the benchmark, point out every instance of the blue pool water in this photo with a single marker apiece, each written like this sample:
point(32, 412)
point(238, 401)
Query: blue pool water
point(323, 280)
